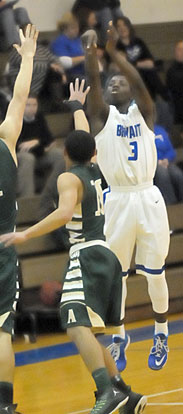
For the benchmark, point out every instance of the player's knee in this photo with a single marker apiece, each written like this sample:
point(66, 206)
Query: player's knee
point(158, 292)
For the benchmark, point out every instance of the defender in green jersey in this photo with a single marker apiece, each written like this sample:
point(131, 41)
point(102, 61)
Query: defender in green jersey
point(93, 271)
point(9, 292)
point(92, 288)
point(8, 269)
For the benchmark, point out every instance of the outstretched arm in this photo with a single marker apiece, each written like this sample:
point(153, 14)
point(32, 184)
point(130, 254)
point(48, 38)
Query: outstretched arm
point(140, 92)
point(98, 109)
point(11, 127)
point(69, 187)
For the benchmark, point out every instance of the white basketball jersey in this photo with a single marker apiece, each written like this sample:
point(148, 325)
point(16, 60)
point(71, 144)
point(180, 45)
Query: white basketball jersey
point(126, 151)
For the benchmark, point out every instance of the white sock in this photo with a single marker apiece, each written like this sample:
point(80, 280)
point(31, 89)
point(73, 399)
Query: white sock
point(161, 328)
point(121, 334)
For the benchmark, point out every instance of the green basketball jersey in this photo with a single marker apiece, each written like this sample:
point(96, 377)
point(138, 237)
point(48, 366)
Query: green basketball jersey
point(8, 257)
point(88, 219)
point(8, 172)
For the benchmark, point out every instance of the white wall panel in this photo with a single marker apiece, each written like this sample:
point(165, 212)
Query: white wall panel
point(45, 13)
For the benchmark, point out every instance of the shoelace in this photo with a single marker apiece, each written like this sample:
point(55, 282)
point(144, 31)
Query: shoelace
point(99, 404)
point(160, 344)
point(114, 349)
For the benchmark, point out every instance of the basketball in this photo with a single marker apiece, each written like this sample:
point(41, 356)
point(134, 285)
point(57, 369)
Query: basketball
point(50, 293)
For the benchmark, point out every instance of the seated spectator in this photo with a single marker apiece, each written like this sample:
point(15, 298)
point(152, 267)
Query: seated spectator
point(10, 18)
point(36, 151)
point(48, 77)
point(86, 19)
point(67, 46)
point(49, 202)
point(168, 177)
point(174, 81)
point(164, 114)
point(139, 55)
point(105, 11)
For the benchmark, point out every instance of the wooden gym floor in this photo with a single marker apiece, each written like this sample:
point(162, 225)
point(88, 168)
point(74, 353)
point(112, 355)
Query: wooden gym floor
point(50, 377)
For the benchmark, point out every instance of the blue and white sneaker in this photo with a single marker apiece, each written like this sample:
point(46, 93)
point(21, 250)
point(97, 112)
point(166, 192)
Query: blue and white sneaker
point(159, 352)
point(118, 349)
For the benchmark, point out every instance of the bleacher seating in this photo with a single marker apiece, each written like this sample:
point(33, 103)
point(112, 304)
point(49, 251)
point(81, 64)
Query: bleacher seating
point(138, 303)
point(60, 124)
point(160, 37)
point(39, 261)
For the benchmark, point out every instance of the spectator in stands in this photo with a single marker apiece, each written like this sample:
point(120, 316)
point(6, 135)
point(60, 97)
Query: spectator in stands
point(139, 55)
point(49, 203)
point(36, 150)
point(10, 18)
point(86, 18)
point(164, 114)
point(105, 11)
point(174, 81)
point(168, 177)
point(48, 75)
point(67, 46)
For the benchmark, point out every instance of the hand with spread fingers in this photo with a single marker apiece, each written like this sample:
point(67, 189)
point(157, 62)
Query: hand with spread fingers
point(77, 92)
point(28, 42)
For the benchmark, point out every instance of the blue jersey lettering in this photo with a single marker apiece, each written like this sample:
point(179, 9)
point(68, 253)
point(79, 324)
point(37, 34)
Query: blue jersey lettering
point(131, 131)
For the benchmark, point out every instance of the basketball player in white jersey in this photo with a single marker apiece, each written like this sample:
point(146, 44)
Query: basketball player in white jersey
point(135, 210)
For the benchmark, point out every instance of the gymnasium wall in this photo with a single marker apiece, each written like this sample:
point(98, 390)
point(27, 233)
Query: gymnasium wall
point(45, 13)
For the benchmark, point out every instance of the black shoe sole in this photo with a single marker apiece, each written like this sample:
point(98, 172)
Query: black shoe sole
point(141, 405)
point(138, 409)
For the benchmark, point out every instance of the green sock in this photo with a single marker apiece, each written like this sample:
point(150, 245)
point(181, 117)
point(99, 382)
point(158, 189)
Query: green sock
point(6, 393)
point(102, 379)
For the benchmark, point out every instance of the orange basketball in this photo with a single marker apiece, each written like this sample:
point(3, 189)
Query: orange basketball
point(50, 293)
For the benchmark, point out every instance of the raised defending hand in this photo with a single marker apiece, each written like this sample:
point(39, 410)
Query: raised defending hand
point(112, 38)
point(77, 92)
point(28, 42)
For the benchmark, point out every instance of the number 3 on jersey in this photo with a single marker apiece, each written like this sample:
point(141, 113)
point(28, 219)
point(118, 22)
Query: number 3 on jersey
point(99, 193)
point(134, 146)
